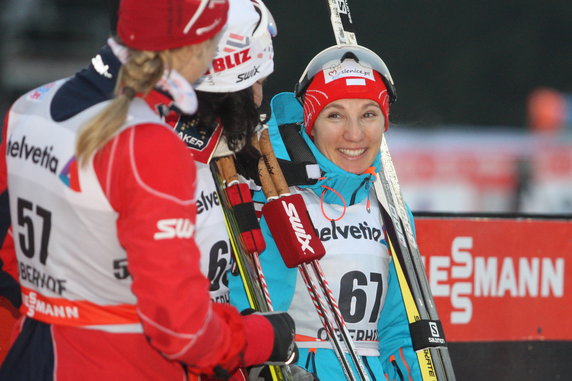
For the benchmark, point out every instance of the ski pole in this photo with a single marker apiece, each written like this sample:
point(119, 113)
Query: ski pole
point(434, 360)
point(225, 176)
point(296, 211)
point(239, 194)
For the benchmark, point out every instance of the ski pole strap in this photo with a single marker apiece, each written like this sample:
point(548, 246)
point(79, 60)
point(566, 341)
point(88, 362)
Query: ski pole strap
point(240, 199)
point(302, 168)
point(426, 334)
point(302, 173)
point(243, 207)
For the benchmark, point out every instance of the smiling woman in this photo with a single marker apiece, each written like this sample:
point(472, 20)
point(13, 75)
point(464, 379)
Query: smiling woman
point(345, 92)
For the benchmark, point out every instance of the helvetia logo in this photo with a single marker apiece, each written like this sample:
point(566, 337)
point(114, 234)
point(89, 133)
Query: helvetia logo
point(174, 228)
point(301, 235)
point(41, 156)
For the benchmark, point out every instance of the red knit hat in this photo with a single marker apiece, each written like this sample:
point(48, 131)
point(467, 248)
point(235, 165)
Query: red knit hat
point(347, 79)
point(167, 24)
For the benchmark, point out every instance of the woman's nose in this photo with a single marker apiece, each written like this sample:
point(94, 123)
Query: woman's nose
point(353, 131)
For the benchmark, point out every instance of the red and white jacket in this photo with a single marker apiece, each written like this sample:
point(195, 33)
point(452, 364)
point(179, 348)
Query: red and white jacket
point(107, 253)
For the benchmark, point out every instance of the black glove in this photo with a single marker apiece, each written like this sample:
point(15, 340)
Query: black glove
point(284, 350)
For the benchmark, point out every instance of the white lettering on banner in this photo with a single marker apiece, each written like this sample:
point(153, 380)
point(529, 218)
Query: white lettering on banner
point(301, 235)
point(174, 228)
point(462, 276)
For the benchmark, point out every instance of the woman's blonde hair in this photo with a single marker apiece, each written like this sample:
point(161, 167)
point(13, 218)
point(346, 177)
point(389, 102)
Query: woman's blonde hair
point(138, 75)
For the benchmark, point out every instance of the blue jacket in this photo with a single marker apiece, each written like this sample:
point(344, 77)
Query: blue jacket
point(397, 361)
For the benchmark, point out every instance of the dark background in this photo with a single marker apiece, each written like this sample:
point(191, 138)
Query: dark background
point(455, 62)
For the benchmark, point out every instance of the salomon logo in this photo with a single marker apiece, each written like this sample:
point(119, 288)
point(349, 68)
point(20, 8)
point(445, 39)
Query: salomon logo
point(301, 235)
point(434, 329)
point(174, 228)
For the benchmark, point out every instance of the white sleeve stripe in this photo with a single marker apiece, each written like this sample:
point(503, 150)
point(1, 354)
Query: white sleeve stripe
point(110, 168)
point(192, 337)
point(145, 186)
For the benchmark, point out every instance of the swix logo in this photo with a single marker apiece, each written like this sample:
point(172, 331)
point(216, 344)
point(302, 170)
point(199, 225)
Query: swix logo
point(230, 61)
point(174, 228)
point(301, 235)
point(249, 74)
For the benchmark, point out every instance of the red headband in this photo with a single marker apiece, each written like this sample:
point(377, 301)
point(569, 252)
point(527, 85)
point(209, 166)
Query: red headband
point(168, 24)
point(346, 80)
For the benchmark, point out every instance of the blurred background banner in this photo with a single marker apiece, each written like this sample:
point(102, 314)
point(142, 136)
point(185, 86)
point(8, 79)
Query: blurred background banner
point(483, 120)
point(483, 170)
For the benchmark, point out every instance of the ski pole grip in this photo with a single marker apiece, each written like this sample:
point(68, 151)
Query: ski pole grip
point(228, 169)
point(292, 230)
point(272, 163)
point(266, 181)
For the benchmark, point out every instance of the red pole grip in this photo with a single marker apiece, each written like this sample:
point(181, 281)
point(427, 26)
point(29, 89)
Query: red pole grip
point(292, 230)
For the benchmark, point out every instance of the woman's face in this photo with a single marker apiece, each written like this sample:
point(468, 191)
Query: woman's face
point(349, 132)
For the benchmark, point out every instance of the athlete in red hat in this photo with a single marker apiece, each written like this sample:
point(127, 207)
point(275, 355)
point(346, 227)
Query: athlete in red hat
point(104, 229)
point(342, 110)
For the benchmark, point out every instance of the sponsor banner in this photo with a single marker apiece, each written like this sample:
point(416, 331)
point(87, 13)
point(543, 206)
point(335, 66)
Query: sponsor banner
point(499, 279)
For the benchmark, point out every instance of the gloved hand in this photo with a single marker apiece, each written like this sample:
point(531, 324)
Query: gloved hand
point(284, 350)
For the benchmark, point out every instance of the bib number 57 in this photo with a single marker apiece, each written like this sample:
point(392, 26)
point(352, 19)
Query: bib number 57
point(29, 218)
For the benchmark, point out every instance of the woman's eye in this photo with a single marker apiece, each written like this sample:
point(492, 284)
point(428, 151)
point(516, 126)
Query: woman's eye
point(334, 115)
point(370, 114)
